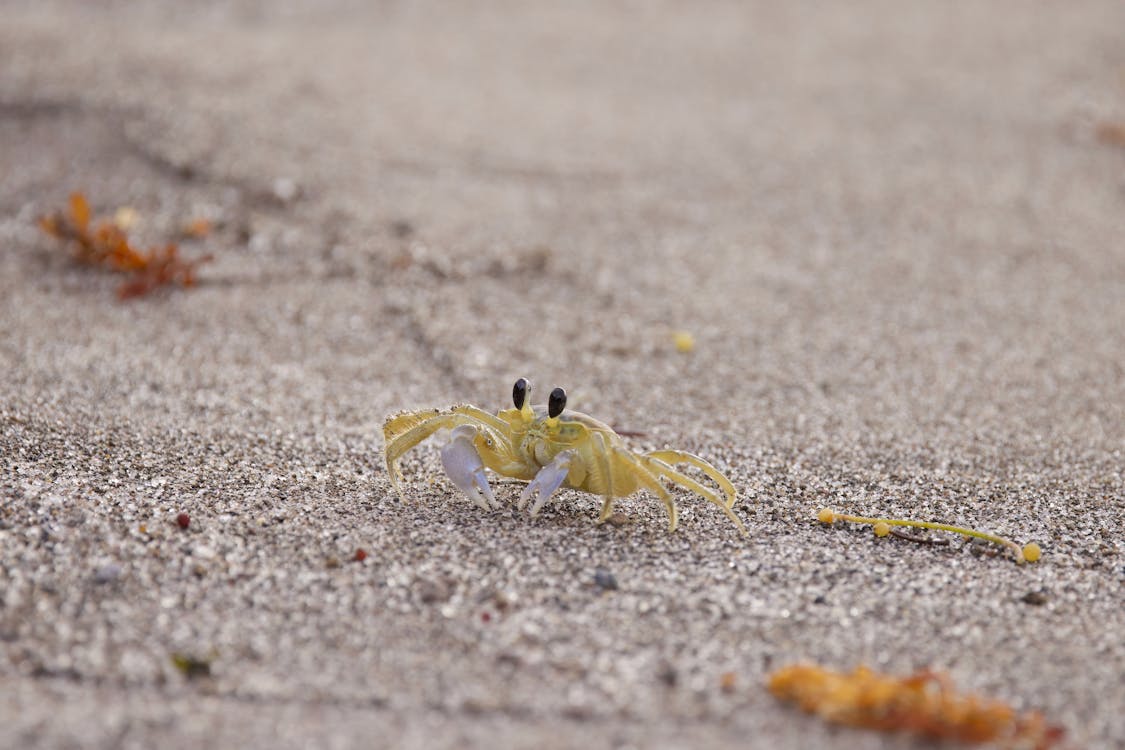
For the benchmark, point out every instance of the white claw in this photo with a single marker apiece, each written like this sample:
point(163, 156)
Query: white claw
point(463, 465)
point(549, 479)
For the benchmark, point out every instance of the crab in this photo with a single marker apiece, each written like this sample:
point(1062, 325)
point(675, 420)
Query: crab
point(548, 447)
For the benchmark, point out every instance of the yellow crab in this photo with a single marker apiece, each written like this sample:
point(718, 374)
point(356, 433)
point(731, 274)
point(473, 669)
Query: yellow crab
point(547, 447)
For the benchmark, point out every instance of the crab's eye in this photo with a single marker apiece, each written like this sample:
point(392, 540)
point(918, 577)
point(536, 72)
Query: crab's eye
point(556, 403)
point(519, 392)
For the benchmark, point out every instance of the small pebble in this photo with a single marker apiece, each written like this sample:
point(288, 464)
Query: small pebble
point(618, 519)
point(360, 555)
point(402, 228)
point(1036, 598)
point(605, 580)
point(501, 600)
point(433, 591)
point(285, 189)
point(107, 573)
point(183, 520)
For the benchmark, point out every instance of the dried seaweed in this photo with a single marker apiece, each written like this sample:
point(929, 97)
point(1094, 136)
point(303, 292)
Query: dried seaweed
point(1029, 552)
point(197, 229)
point(105, 244)
point(924, 703)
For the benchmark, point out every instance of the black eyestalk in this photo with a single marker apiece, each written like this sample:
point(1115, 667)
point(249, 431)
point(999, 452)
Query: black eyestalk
point(556, 403)
point(520, 391)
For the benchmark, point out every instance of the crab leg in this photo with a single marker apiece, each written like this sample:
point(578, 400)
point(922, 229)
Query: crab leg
point(601, 456)
point(464, 466)
point(481, 415)
point(666, 471)
point(673, 457)
point(549, 479)
point(418, 429)
point(399, 424)
point(651, 482)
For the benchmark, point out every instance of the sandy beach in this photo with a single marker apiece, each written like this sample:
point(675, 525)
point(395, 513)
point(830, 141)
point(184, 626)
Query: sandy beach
point(895, 236)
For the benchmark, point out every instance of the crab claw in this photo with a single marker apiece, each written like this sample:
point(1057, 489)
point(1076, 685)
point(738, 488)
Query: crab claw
point(549, 479)
point(463, 465)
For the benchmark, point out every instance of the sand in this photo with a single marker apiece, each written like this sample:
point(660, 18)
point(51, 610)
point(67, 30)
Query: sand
point(895, 236)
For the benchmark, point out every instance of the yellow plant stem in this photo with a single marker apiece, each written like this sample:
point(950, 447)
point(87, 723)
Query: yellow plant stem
point(1032, 549)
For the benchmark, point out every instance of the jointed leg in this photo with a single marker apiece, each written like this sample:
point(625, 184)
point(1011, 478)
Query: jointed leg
point(416, 431)
point(398, 444)
point(651, 482)
point(606, 471)
point(490, 420)
point(660, 468)
point(673, 457)
point(607, 509)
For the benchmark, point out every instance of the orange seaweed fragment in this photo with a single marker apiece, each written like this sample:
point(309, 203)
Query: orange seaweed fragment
point(197, 228)
point(106, 245)
point(923, 703)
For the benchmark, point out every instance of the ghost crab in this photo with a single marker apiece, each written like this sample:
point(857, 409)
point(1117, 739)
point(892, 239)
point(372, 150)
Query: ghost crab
point(548, 447)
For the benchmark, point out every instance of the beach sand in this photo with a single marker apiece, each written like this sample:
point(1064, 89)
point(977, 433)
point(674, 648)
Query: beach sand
point(894, 235)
